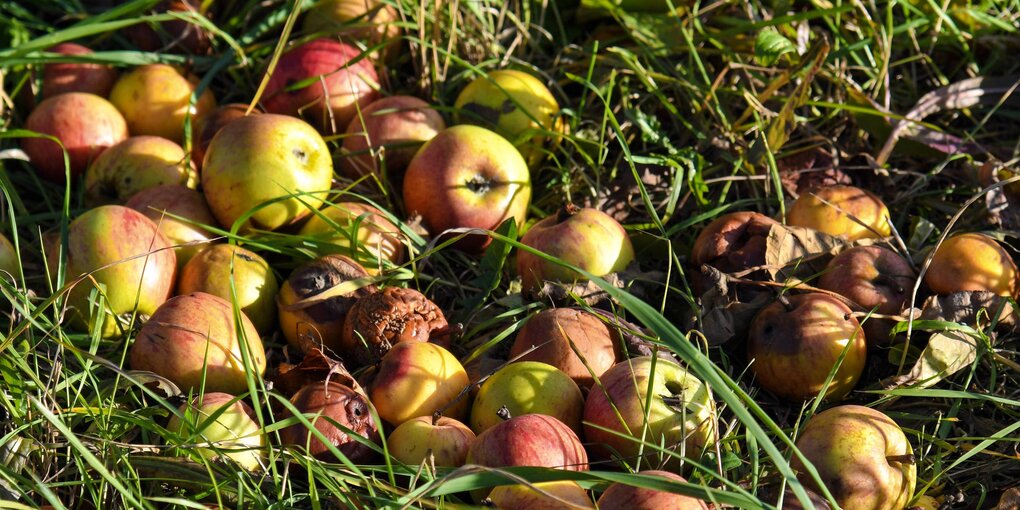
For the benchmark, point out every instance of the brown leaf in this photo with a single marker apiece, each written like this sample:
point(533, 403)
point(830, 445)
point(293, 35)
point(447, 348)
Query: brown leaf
point(1010, 500)
point(791, 246)
point(947, 353)
point(809, 169)
point(621, 197)
point(565, 293)
point(967, 307)
point(724, 317)
point(315, 367)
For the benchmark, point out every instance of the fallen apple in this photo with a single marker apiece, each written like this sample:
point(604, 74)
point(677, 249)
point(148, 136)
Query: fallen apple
point(558, 495)
point(442, 439)
point(862, 456)
point(238, 275)
point(971, 262)
point(620, 496)
point(733, 242)
point(10, 260)
point(337, 411)
point(161, 203)
point(829, 210)
point(175, 35)
point(207, 126)
point(217, 425)
point(418, 379)
point(374, 22)
point(571, 339)
point(155, 99)
point(357, 230)
point(527, 387)
point(274, 167)
point(795, 343)
point(135, 164)
point(197, 341)
point(85, 124)
point(378, 322)
point(383, 139)
point(64, 77)
point(529, 440)
point(587, 238)
point(467, 177)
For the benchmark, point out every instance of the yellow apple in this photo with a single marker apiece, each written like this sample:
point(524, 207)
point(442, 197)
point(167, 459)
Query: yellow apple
point(445, 438)
point(418, 379)
point(829, 209)
point(155, 100)
point(138, 163)
point(233, 433)
point(526, 387)
point(971, 262)
point(231, 272)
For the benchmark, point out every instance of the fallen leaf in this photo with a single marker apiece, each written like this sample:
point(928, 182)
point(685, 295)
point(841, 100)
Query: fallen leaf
point(1010, 500)
point(968, 307)
point(723, 316)
point(792, 246)
point(315, 367)
point(947, 353)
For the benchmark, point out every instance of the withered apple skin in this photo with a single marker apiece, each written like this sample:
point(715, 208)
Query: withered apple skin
point(733, 242)
point(325, 401)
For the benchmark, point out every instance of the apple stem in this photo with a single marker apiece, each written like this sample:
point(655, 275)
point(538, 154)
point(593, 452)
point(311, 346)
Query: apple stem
point(504, 413)
point(435, 417)
point(566, 212)
point(904, 459)
point(785, 301)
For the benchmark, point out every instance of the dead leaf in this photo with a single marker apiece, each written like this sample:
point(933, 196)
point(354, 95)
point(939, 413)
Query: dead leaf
point(724, 317)
point(947, 353)
point(567, 292)
point(968, 307)
point(315, 367)
point(809, 169)
point(155, 381)
point(791, 246)
point(621, 197)
point(1010, 500)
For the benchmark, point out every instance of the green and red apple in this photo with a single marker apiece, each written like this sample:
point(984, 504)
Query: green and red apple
point(557, 495)
point(529, 440)
point(155, 99)
point(418, 379)
point(357, 230)
point(64, 77)
point(573, 340)
point(441, 438)
point(138, 163)
point(85, 124)
point(620, 496)
point(238, 275)
point(387, 134)
point(207, 126)
point(376, 22)
point(971, 262)
point(829, 210)
point(220, 426)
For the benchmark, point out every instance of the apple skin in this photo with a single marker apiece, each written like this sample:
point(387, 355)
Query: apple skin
point(371, 21)
point(587, 238)
point(196, 332)
point(417, 379)
point(10, 261)
point(547, 337)
point(337, 87)
point(733, 242)
point(447, 439)
point(850, 446)
point(971, 262)
point(158, 202)
point(562, 495)
point(621, 496)
point(135, 164)
point(234, 433)
point(627, 386)
point(155, 100)
point(467, 177)
point(810, 211)
point(64, 77)
point(874, 277)
point(320, 325)
point(527, 387)
point(398, 123)
point(377, 238)
point(85, 124)
point(207, 126)
point(794, 347)
point(265, 157)
point(529, 440)
point(137, 271)
point(327, 402)
point(514, 104)
point(218, 267)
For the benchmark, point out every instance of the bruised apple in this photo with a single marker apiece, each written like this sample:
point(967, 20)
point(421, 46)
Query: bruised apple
point(418, 379)
point(64, 77)
point(445, 439)
point(197, 339)
point(156, 99)
point(386, 136)
point(733, 242)
point(162, 203)
point(571, 339)
point(971, 262)
point(85, 124)
point(337, 411)
point(235, 274)
point(829, 209)
point(221, 426)
point(138, 163)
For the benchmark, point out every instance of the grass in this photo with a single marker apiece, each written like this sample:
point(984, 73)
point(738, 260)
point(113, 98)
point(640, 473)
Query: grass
point(703, 108)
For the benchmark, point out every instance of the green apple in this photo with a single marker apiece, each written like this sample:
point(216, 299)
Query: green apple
point(526, 387)
point(261, 158)
point(221, 427)
point(230, 271)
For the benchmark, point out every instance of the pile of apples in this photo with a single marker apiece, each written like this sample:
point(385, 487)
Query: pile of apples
point(168, 174)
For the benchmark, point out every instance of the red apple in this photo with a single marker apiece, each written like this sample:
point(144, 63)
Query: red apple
point(874, 277)
point(156, 99)
point(621, 496)
point(326, 405)
point(262, 159)
point(571, 339)
point(374, 22)
point(418, 379)
point(172, 35)
point(324, 81)
point(85, 124)
point(529, 440)
point(233, 433)
point(63, 77)
point(159, 202)
point(206, 127)
point(445, 439)
point(195, 339)
point(136, 271)
point(138, 163)
point(795, 342)
point(654, 399)
point(386, 136)
point(235, 274)
point(587, 238)
point(467, 177)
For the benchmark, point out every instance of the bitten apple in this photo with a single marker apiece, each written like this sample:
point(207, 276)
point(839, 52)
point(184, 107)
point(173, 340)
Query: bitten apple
point(417, 379)
point(235, 274)
point(587, 238)
point(467, 177)
point(85, 124)
point(971, 262)
point(156, 99)
point(829, 209)
point(445, 438)
point(138, 163)
point(795, 342)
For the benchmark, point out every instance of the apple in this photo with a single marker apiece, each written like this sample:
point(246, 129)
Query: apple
point(527, 387)
point(514, 104)
point(681, 416)
point(262, 158)
point(587, 238)
point(971, 262)
point(442, 438)
point(381, 320)
point(862, 456)
point(85, 124)
point(324, 81)
point(621, 496)
point(558, 495)
point(159, 202)
point(418, 379)
point(194, 339)
point(156, 99)
point(373, 22)
point(237, 275)
point(135, 164)
point(383, 139)
point(64, 77)
point(573, 340)
point(221, 426)
point(175, 35)
point(467, 177)
point(529, 440)
point(874, 277)
point(10, 261)
point(828, 210)
point(733, 242)
point(319, 325)
point(795, 342)
point(207, 126)
point(326, 405)
point(357, 230)
point(135, 273)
